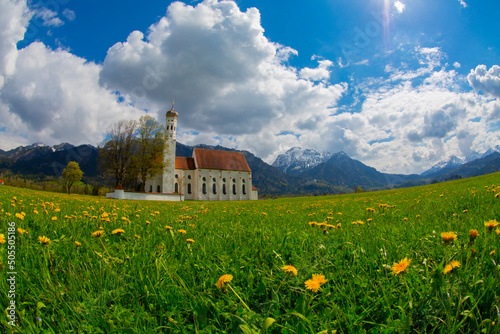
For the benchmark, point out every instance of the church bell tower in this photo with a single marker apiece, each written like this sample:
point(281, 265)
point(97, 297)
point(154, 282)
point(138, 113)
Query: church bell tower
point(169, 151)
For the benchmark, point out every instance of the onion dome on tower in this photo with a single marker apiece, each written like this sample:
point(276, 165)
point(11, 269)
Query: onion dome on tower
point(172, 112)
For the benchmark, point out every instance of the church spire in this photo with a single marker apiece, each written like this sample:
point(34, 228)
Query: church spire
point(172, 112)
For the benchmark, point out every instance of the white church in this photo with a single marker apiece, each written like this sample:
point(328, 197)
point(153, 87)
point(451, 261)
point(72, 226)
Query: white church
point(209, 175)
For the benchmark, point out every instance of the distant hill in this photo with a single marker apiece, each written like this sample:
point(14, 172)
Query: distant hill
point(40, 160)
point(486, 165)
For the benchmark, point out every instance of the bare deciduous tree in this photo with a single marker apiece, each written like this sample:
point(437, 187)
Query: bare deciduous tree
point(116, 155)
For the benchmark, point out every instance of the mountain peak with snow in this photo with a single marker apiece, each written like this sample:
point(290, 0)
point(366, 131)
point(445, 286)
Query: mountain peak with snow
point(296, 160)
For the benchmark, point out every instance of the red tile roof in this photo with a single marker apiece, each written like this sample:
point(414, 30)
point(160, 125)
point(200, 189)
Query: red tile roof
point(220, 160)
point(184, 163)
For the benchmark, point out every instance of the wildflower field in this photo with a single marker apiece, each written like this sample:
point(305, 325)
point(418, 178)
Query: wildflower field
point(409, 260)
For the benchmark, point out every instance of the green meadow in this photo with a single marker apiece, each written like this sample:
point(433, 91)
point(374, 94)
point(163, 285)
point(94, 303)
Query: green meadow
point(219, 267)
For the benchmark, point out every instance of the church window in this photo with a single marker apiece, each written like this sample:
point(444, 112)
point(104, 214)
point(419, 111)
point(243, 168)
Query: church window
point(189, 188)
point(151, 188)
point(158, 189)
point(204, 179)
point(224, 180)
point(189, 177)
point(214, 179)
point(243, 181)
point(234, 189)
point(176, 187)
point(234, 180)
point(243, 189)
point(224, 189)
point(176, 176)
point(214, 189)
point(204, 188)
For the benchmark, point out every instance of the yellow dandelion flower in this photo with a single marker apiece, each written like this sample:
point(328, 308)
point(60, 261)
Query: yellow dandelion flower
point(53, 218)
point(497, 231)
point(43, 240)
point(401, 266)
point(339, 226)
point(118, 231)
point(320, 278)
point(448, 236)
point(473, 234)
point(98, 234)
point(492, 252)
point(191, 241)
point(490, 225)
point(20, 216)
point(312, 285)
point(2, 239)
point(77, 244)
point(168, 227)
point(291, 270)
point(21, 231)
point(35, 212)
point(450, 266)
point(148, 222)
point(223, 280)
point(104, 215)
point(57, 210)
point(137, 237)
point(182, 231)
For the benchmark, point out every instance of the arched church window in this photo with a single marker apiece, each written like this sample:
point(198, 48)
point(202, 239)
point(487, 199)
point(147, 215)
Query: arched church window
point(176, 187)
point(224, 179)
point(214, 189)
point(243, 189)
point(204, 188)
point(243, 180)
point(224, 189)
point(189, 188)
point(214, 179)
point(204, 179)
point(176, 176)
point(234, 189)
point(189, 177)
point(151, 188)
point(158, 189)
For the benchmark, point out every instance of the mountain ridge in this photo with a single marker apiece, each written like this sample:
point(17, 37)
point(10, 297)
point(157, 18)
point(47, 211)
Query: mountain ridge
point(316, 173)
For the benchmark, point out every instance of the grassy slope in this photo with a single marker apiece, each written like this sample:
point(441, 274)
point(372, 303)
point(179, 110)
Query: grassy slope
point(150, 280)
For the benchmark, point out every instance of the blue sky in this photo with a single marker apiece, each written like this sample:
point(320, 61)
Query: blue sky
point(399, 85)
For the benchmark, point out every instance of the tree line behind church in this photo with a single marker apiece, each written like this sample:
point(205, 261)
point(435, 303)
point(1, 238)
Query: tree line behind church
point(133, 152)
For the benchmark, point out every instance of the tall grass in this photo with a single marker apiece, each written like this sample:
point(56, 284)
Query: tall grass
point(152, 279)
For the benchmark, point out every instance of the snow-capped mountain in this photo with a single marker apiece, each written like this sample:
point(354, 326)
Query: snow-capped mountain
point(491, 151)
point(297, 160)
point(453, 162)
point(449, 164)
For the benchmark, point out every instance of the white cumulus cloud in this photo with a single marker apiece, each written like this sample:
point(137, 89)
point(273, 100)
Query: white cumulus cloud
point(50, 96)
point(226, 77)
point(486, 80)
